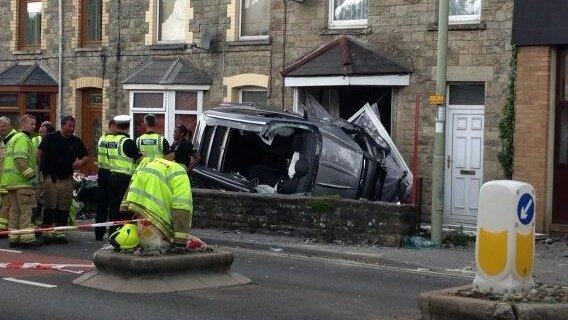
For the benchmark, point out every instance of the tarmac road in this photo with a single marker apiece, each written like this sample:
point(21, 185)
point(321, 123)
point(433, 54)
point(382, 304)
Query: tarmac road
point(285, 287)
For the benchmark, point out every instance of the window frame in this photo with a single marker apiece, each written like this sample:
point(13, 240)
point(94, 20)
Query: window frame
point(467, 18)
point(84, 27)
point(158, 23)
point(168, 108)
point(240, 26)
point(255, 89)
point(20, 107)
point(345, 24)
point(22, 10)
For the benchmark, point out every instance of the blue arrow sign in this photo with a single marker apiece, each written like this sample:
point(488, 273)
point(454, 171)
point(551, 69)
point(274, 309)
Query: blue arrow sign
point(525, 209)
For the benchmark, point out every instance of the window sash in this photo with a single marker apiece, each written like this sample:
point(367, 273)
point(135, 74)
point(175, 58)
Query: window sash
point(30, 23)
point(176, 20)
point(343, 23)
point(243, 23)
point(169, 104)
point(91, 22)
point(463, 17)
point(254, 90)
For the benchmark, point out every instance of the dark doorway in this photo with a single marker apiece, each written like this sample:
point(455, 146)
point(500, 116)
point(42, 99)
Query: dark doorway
point(344, 101)
point(560, 201)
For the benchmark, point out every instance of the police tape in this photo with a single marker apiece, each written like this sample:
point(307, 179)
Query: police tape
point(16, 265)
point(68, 228)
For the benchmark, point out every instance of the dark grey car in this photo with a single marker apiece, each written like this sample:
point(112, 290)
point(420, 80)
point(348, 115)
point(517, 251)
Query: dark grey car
point(255, 150)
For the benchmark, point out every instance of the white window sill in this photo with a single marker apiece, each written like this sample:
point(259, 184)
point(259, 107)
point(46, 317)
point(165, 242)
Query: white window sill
point(347, 26)
point(254, 38)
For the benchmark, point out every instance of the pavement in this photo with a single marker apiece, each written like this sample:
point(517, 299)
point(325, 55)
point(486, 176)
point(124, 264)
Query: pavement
point(292, 279)
point(551, 261)
point(285, 286)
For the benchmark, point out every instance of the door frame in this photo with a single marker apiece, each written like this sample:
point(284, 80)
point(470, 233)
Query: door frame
point(451, 110)
point(86, 111)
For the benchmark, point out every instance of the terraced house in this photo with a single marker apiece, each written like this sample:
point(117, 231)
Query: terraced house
point(176, 58)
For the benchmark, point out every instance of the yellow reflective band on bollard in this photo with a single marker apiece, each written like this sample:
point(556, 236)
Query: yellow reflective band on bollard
point(525, 254)
point(492, 251)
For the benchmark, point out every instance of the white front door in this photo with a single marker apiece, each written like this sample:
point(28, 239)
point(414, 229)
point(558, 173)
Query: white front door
point(464, 163)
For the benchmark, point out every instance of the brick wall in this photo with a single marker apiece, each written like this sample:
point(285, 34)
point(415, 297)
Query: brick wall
point(532, 122)
point(324, 219)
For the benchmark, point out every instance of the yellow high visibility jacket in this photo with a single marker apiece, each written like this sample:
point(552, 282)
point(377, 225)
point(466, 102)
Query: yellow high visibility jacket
point(151, 145)
point(157, 188)
point(19, 146)
point(118, 161)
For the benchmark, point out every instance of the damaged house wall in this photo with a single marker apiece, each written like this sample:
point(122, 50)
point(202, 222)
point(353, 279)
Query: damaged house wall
point(404, 28)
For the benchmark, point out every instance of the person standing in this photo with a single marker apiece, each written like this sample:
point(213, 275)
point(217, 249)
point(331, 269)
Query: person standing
point(19, 179)
point(44, 129)
point(181, 150)
point(123, 155)
point(103, 162)
point(152, 144)
point(6, 133)
point(60, 154)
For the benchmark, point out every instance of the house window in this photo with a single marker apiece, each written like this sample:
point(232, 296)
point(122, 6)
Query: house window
point(91, 23)
point(41, 105)
point(171, 108)
point(467, 94)
point(171, 20)
point(348, 13)
point(30, 24)
point(465, 11)
point(254, 19)
point(256, 96)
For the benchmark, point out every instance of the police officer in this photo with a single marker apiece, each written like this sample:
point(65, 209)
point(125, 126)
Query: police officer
point(123, 155)
point(103, 162)
point(6, 133)
point(19, 178)
point(152, 144)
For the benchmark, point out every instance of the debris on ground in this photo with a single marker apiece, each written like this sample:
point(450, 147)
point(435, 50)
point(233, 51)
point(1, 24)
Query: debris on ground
point(541, 293)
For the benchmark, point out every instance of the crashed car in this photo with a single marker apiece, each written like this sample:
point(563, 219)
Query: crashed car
point(246, 149)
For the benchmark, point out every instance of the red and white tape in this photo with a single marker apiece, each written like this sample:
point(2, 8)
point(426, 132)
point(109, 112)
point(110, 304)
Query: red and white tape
point(16, 265)
point(68, 228)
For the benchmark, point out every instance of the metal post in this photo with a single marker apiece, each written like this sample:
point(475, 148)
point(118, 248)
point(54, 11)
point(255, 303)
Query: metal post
point(439, 138)
point(59, 110)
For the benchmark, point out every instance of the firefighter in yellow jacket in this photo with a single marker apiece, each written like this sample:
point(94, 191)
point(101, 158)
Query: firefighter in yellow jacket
point(160, 192)
point(6, 132)
point(19, 179)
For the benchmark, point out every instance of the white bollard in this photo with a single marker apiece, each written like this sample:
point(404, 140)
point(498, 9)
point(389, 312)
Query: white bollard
point(504, 248)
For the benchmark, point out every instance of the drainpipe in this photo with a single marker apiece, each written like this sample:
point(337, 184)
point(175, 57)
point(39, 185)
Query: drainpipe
point(60, 71)
point(439, 138)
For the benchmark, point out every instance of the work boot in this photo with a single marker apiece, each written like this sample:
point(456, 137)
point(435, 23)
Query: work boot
point(14, 245)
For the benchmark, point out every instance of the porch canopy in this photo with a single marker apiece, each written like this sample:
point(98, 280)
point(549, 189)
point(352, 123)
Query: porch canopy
point(167, 74)
point(26, 77)
point(343, 62)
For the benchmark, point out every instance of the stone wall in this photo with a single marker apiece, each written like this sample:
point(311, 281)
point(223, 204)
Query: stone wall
point(324, 219)
point(403, 28)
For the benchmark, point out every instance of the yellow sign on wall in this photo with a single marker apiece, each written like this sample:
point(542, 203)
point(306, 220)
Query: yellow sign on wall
point(436, 99)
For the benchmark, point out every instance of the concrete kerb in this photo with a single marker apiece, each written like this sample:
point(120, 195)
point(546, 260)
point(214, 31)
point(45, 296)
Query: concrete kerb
point(445, 305)
point(127, 273)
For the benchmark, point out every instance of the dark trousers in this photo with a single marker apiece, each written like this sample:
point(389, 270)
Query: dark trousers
point(117, 188)
point(103, 204)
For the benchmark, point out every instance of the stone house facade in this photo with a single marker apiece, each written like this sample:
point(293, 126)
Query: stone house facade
point(214, 37)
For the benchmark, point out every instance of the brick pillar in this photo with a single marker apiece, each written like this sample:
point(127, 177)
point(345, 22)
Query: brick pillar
point(533, 110)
